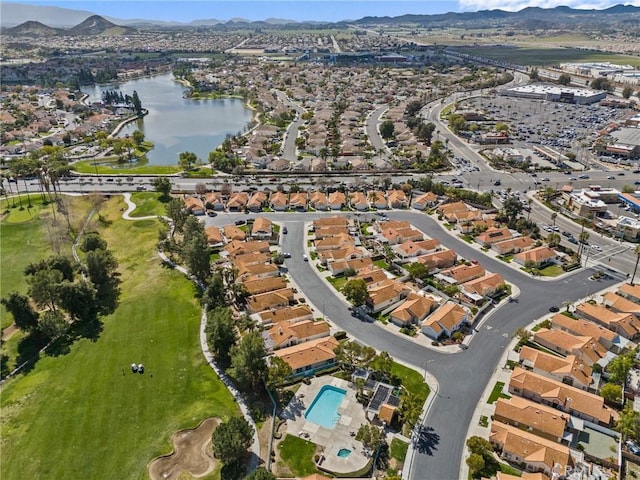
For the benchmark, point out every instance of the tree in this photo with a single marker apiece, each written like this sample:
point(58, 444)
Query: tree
point(410, 408)
point(475, 462)
point(177, 214)
point(619, 368)
point(100, 266)
point(162, 185)
point(383, 363)
point(371, 436)
point(564, 79)
point(611, 392)
point(52, 324)
point(230, 440)
point(279, 371)
point(387, 129)
point(138, 137)
point(554, 216)
point(523, 334)
point(214, 295)
point(602, 83)
point(137, 104)
point(92, 241)
point(352, 354)
point(195, 249)
point(248, 365)
point(55, 262)
point(511, 209)
point(628, 423)
point(221, 335)
point(24, 316)
point(79, 300)
point(479, 445)
point(44, 288)
point(260, 474)
point(187, 160)
point(355, 291)
point(553, 239)
point(627, 91)
point(635, 267)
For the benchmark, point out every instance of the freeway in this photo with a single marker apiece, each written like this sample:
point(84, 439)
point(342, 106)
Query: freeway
point(462, 377)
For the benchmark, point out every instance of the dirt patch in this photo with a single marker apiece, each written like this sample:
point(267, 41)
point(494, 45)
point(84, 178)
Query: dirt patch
point(191, 454)
point(8, 332)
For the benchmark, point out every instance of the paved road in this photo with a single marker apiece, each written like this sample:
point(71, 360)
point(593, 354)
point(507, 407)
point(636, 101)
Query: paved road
point(289, 149)
point(371, 127)
point(462, 377)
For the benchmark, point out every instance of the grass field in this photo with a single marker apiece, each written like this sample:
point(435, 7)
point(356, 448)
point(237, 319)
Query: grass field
point(548, 56)
point(411, 380)
point(87, 166)
point(398, 449)
point(297, 453)
point(84, 414)
point(147, 203)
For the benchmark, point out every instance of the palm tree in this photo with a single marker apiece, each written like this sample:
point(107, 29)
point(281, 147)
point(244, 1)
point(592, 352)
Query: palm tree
point(635, 268)
point(554, 215)
point(553, 239)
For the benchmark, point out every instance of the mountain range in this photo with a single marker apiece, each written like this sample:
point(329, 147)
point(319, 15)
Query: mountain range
point(21, 19)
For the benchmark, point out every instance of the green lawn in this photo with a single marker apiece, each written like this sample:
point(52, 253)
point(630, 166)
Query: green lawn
point(381, 264)
point(411, 380)
point(23, 236)
point(147, 203)
point(87, 166)
point(551, 271)
point(83, 414)
point(398, 449)
point(496, 393)
point(337, 282)
point(298, 455)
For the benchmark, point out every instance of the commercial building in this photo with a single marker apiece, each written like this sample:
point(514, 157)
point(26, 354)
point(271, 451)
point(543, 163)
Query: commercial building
point(555, 93)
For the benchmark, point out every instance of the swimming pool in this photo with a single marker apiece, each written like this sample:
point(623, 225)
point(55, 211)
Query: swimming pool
point(323, 410)
point(344, 452)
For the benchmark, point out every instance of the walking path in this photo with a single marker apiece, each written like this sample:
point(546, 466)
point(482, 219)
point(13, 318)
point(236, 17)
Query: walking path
point(244, 408)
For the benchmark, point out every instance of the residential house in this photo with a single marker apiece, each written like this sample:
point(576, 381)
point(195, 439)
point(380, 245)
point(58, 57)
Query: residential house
point(330, 231)
point(257, 201)
point(279, 201)
point(536, 453)
point(382, 225)
point(334, 243)
point(570, 369)
point(252, 258)
point(296, 313)
point(467, 220)
point(394, 236)
point(445, 321)
point(337, 201)
point(424, 200)
point(539, 256)
point(285, 334)
point(348, 252)
point(214, 236)
point(605, 337)
point(447, 209)
point(261, 270)
point(358, 201)
point(540, 420)
point(263, 285)
point(493, 235)
point(338, 267)
point(298, 201)
point(309, 357)
point(273, 299)
point(460, 274)
point(513, 245)
point(318, 201)
point(625, 324)
point(279, 165)
point(333, 221)
point(413, 310)
point(377, 200)
point(385, 294)
point(620, 304)
point(194, 206)
point(233, 233)
point(237, 247)
point(480, 288)
point(630, 292)
point(574, 401)
point(411, 249)
point(214, 201)
point(564, 343)
point(372, 276)
point(438, 260)
point(262, 228)
point(397, 199)
point(237, 201)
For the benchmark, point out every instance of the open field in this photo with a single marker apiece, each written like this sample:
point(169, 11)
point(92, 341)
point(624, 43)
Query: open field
point(84, 414)
point(547, 56)
point(88, 166)
point(147, 203)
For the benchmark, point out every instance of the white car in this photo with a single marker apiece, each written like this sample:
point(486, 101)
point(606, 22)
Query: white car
point(597, 248)
point(305, 258)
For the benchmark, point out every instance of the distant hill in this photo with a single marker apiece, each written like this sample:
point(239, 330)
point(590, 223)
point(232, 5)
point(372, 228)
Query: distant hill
point(32, 29)
point(97, 25)
point(12, 14)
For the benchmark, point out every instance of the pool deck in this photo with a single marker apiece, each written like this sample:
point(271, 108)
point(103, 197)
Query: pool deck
point(352, 416)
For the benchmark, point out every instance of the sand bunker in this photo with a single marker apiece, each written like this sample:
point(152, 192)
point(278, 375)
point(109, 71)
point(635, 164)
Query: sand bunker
point(192, 453)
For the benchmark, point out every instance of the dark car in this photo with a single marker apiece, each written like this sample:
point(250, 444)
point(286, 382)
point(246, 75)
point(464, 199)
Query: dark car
point(553, 309)
point(572, 240)
point(284, 230)
point(497, 183)
point(567, 234)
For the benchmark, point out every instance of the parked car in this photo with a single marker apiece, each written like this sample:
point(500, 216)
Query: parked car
point(554, 309)
point(284, 230)
point(305, 258)
point(632, 447)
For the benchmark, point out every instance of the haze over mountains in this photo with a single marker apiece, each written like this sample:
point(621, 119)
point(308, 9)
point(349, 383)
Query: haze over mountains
point(48, 20)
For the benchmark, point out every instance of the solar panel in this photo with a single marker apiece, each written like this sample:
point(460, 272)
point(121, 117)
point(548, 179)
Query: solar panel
point(379, 397)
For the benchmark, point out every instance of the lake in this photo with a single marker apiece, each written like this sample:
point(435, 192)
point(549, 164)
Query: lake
point(176, 124)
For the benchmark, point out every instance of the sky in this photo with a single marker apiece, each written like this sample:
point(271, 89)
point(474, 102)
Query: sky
point(300, 10)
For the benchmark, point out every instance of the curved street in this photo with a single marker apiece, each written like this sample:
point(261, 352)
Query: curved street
point(462, 377)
